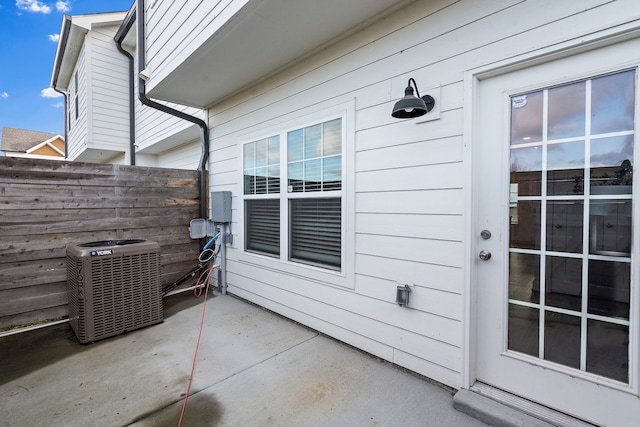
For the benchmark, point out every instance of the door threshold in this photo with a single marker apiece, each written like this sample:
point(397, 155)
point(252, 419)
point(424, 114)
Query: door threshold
point(499, 408)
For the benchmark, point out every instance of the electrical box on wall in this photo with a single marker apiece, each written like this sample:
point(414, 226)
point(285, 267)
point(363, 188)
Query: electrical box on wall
point(221, 206)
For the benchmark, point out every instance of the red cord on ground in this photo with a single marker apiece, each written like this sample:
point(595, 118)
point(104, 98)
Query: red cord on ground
point(198, 292)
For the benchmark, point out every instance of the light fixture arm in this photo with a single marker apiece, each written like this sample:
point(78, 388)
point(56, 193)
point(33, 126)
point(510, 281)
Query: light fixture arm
point(415, 85)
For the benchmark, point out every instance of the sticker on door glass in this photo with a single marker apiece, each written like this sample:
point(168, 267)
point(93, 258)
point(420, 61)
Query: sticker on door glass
point(519, 101)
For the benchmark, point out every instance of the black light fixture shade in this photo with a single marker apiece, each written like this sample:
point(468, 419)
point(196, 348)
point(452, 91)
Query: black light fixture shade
point(411, 106)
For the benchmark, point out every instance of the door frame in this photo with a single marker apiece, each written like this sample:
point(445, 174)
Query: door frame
point(472, 79)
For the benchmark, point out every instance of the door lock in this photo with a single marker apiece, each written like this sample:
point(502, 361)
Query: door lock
point(485, 234)
point(485, 255)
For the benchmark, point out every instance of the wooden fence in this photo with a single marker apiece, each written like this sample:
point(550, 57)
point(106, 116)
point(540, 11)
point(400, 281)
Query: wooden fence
point(45, 205)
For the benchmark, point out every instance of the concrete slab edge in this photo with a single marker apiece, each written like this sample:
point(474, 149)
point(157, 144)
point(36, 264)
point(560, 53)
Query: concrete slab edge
point(492, 412)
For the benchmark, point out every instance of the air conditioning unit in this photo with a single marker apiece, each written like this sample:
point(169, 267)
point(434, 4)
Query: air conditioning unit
point(114, 287)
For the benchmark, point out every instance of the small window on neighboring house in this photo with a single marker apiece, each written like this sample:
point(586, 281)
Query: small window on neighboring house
point(76, 93)
point(302, 202)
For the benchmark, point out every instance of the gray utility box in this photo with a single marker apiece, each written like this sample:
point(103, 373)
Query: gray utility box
point(221, 206)
point(113, 287)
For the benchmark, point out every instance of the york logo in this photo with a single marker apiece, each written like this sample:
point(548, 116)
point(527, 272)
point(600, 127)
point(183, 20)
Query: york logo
point(102, 252)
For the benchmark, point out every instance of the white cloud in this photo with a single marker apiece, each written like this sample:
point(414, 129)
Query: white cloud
point(33, 6)
point(50, 93)
point(4, 95)
point(63, 6)
point(54, 37)
point(58, 104)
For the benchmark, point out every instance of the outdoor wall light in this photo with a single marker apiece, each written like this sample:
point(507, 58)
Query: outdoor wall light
point(411, 106)
point(402, 295)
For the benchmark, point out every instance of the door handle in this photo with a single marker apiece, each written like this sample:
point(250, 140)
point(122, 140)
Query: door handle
point(485, 255)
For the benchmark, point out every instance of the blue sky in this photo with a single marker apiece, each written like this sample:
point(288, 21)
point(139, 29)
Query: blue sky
point(28, 42)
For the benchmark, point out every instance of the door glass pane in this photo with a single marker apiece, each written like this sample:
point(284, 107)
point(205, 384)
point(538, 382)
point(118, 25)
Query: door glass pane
point(526, 170)
point(607, 350)
point(612, 165)
point(612, 103)
point(562, 339)
point(524, 277)
point(565, 165)
point(524, 329)
point(526, 118)
point(566, 111)
point(580, 294)
point(609, 288)
point(564, 225)
point(610, 227)
point(563, 284)
point(525, 225)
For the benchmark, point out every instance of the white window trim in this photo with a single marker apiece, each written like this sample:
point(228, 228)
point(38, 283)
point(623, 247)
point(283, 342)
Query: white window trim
point(344, 277)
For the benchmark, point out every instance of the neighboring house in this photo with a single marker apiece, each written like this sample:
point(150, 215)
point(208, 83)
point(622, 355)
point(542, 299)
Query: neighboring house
point(94, 76)
point(33, 144)
point(506, 210)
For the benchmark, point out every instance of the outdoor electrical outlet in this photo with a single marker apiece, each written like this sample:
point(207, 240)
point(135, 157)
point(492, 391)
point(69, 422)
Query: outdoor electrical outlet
point(403, 293)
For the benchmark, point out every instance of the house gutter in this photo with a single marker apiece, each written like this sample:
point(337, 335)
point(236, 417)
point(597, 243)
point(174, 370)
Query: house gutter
point(54, 81)
point(142, 95)
point(119, 38)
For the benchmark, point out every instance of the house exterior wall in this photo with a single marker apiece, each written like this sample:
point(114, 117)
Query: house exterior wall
point(100, 132)
point(175, 29)
point(186, 156)
point(102, 118)
point(406, 190)
point(109, 90)
point(78, 126)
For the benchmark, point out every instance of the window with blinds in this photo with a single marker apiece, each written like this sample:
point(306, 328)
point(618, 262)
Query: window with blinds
point(315, 229)
point(311, 226)
point(262, 225)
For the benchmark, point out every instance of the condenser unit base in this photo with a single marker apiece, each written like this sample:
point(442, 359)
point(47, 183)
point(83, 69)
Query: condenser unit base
point(114, 287)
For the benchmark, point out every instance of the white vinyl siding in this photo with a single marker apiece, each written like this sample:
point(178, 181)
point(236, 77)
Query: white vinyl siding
point(176, 29)
point(185, 156)
point(108, 91)
point(100, 99)
point(101, 131)
point(158, 132)
point(408, 181)
point(78, 130)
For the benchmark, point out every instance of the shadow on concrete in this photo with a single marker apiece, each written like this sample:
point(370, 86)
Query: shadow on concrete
point(202, 410)
point(176, 303)
point(36, 349)
point(25, 350)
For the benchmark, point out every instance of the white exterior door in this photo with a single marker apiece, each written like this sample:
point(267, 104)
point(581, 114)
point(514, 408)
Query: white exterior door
point(556, 234)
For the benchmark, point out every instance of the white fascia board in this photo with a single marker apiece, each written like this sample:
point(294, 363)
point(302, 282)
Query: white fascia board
point(89, 22)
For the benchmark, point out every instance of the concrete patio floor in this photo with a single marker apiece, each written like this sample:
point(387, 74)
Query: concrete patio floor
point(254, 368)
